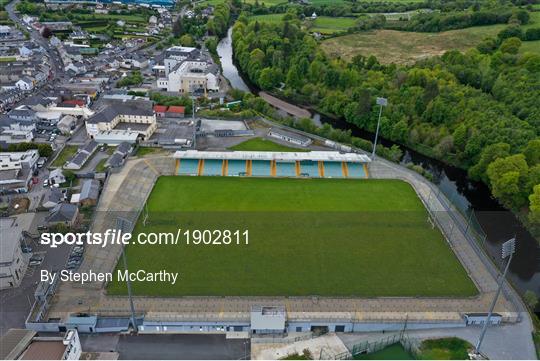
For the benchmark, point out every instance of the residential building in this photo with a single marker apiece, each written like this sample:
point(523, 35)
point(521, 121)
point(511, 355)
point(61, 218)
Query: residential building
point(56, 176)
point(89, 192)
point(26, 83)
point(83, 154)
point(54, 197)
point(13, 263)
point(175, 111)
point(63, 213)
point(16, 169)
point(120, 121)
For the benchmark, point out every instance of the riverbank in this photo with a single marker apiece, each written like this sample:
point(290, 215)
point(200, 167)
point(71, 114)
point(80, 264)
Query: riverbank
point(471, 198)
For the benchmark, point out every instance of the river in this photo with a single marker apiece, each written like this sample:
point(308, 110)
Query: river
point(469, 196)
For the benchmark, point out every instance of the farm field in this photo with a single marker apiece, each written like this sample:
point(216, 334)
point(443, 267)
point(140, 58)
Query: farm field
point(324, 237)
point(391, 46)
point(265, 145)
point(403, 47)
point(268, 18)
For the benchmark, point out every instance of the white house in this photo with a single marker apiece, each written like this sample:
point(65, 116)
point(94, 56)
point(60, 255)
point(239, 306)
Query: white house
point(25, 83)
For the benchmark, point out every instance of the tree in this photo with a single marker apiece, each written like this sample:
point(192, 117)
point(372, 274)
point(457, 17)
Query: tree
point(187, 40)
point(510, 45)
point(532, 152)
point(178, 27)
point(489, 154)
point(534, 206)
point(530, 299)
point(509, 177)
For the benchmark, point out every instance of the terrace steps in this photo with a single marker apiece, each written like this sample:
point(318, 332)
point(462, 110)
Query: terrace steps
point(344, 169)
point(321, 168)
point(200, 168)
point(297, 168)
point(249, 167)
point(224, 167)
point(366, 170)
point(273, 168)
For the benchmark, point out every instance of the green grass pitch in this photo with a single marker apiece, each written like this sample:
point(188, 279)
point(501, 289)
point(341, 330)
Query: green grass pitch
point(325, 237)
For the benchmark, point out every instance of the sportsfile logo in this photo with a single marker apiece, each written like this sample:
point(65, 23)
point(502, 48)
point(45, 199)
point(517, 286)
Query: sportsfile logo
point(188, 237)
point(109, 237)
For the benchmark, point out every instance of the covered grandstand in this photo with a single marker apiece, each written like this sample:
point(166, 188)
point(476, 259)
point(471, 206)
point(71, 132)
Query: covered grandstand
point(272, 164)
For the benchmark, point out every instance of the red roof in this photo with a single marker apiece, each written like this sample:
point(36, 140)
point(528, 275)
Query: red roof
point(75, 102)
point(176, 109)
point(160, 108)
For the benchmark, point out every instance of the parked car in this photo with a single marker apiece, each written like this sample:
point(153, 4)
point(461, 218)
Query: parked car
point(35, 260)
point(42, 228)
point(46, 183)
point(26, 249)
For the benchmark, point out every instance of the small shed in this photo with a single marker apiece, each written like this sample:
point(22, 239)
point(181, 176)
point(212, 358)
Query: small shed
point(481, 318)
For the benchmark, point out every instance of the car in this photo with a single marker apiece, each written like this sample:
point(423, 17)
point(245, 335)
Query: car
point(42, 228)
point(78, 248)
point(46, 183)
point(71, 266)
point(34, 263)
point(26, 249)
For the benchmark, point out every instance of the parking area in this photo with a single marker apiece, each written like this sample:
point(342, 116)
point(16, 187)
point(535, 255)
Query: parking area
point(15, 303)
point(168, 347)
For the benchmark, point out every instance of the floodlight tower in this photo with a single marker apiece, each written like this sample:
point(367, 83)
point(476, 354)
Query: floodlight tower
point(382, 102)
point(508, 250)
point(126, 226)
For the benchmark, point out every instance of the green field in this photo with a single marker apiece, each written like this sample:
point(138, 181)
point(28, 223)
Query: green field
point(329, 25)
point(405, 47)
point(265, 145)
point(66, 154)
point(392, 352)
point(325, 237)
point(268, 18)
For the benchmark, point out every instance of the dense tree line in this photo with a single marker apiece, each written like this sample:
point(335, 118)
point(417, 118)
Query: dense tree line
point(478, 110)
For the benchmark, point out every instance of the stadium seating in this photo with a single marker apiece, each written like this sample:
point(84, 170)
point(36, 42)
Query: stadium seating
point(260, 168)
point(333, 170)
point(356, 170)
point(212, 167)
point(188, 167)
point(285, 169)
point(236, 167)
point(309, 169)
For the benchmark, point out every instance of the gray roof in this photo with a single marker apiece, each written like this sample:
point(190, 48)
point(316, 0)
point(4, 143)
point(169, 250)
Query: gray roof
point(89, 147)
point(123, 148)
point(63, 212)
point(137, 107)
point(25, 113)
point(14, 342)
point(116, 160)
point(55, 196)
point(79, 159)
point(290, 134)
point(89, 189)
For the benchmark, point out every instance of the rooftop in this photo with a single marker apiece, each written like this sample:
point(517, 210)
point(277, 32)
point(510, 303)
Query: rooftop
point(278, 156)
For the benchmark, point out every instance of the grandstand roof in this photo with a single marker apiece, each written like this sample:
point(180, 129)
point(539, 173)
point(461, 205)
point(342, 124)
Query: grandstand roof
point(279, 156)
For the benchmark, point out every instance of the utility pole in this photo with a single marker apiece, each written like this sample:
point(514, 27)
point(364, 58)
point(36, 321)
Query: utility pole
point(382, 102)
point(125, 226)
point(508, 250)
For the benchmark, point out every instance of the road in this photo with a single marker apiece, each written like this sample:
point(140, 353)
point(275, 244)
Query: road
point(57, 72)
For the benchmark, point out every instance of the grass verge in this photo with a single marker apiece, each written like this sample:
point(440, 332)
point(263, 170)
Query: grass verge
point(265, 145)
